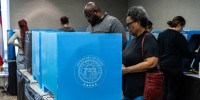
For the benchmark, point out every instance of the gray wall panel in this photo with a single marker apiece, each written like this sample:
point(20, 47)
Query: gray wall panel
point(45, 14)
point(161, 11)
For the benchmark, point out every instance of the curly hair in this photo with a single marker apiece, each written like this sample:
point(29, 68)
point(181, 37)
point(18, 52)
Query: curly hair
point(138, 13)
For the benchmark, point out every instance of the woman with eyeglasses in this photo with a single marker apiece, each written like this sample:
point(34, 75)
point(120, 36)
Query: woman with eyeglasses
point(173, 46)
point(138, 57)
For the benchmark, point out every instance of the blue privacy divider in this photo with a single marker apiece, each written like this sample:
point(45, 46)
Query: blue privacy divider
point(11, 48)
point(186, 33)
point(42, 29)
point(190, 33)
point(49, 49)
point(128, 37)
point(80, 30)
point(89, 65)
point(156, 32)
point(36, 55)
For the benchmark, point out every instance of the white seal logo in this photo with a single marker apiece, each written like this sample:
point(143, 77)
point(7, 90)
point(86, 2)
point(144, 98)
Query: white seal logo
point(90, 71)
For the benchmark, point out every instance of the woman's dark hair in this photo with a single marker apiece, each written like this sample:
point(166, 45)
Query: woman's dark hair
point(150, 24)
point(64, 20)
point(177, 20)
point(23, 28)
point(138, 13)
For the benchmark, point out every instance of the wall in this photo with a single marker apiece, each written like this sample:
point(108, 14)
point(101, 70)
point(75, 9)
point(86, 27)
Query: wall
point(45, 14)
point(161, 11)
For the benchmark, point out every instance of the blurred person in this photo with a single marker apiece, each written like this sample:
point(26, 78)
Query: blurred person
point(149, 26)
point(64, 21)
point(20, 36)
point(1, 64)
point(102, 22)
point(135, 63)
point(193, 64)
point(173, 47)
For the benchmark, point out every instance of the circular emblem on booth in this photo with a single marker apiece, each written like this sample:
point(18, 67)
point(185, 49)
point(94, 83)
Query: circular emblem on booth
point(90, 71)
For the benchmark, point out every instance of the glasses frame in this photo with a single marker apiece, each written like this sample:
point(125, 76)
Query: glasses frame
point(128, 24)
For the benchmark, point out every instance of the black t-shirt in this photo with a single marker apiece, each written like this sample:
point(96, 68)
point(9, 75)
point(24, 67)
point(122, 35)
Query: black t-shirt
point(173, 46)
point(133, 84)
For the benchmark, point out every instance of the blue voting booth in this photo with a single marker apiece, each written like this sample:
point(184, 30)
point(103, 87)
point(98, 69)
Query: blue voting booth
point(190, 33)
point(36, 57)
point(80, 30)
point(36, 54)
point(186, 33)
point(82, 66)
point(11, 48)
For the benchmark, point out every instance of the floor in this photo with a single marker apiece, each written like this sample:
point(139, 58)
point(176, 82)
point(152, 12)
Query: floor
point(5, 96)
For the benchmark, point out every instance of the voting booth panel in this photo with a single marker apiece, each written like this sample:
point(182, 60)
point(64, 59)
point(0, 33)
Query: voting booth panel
point(36, 54)
point(88, 65)
point(28, 51)
point(36, 57)
point(11, 48)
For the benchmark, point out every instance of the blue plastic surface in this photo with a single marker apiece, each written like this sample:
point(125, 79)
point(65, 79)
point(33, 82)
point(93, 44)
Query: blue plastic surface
point(89, 67)
point(36, 54)
point(190, 33)
point(42, 29)
point(49, 62)
point(36, 57)
point(80, 30)
point(186, 33)
point(11, 48)
point(82, 66)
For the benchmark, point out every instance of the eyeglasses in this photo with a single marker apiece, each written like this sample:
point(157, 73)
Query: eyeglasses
point(89, 15)
point(128, 24)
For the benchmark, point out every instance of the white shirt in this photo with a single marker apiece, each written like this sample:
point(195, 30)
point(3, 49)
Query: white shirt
point(13, 38)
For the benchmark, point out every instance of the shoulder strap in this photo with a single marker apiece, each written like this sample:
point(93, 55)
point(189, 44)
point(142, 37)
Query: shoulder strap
point(143, 45)
point(142, 51)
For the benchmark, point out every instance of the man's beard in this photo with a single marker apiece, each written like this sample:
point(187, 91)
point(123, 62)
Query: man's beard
point(95, 20)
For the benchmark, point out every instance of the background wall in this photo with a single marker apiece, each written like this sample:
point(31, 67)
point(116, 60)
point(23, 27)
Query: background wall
point(161, 11)
point(45, 14)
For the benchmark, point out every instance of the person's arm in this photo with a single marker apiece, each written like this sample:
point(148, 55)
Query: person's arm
point(144, 66)
point(117, 27)
point(183, 46)
point(12, 39)
point(150, 55)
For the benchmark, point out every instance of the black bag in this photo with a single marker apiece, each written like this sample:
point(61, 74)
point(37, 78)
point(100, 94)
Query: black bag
point(12, 78)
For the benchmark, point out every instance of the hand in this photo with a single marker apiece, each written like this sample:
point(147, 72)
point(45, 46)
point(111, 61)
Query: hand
point(20, 47)
point(196, 51)
point(5, 60)
point(1, 68)
point(124, 71)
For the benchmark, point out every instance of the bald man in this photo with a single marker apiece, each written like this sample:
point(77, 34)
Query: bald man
point(102, 22)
